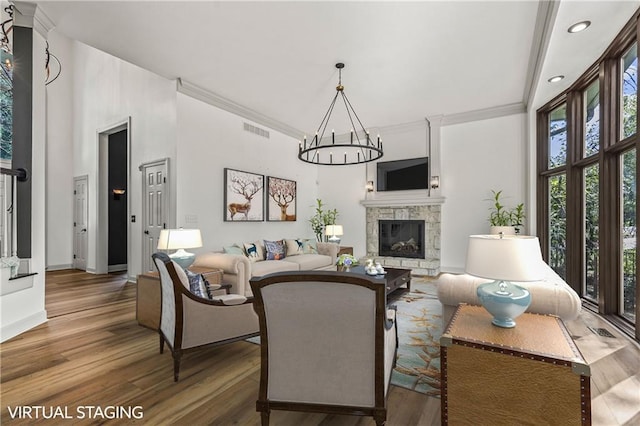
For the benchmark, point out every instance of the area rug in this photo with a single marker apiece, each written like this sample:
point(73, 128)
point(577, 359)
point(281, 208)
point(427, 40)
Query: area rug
point(419, 319)
point(419, 325)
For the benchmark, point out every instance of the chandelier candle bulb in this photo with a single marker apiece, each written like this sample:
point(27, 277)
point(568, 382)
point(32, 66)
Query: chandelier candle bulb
point(331, 157)
point(333, 137)
point(351, 136)
point(345, 157)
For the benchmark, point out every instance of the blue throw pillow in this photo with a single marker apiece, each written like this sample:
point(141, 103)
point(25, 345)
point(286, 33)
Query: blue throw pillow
point(197, 285)
point(275, 249)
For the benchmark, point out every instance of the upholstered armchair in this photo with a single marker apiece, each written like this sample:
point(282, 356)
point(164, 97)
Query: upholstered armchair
point(328, 343)
point(188, 321)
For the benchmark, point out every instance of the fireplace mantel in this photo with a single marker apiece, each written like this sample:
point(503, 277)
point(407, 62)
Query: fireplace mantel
point(399, 200)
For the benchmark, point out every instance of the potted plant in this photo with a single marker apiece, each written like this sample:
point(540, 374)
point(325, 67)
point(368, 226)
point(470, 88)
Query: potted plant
point(508, 221)
point(321, 219)
point(346, 261)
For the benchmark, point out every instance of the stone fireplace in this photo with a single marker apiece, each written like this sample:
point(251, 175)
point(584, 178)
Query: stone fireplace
point(427, 260)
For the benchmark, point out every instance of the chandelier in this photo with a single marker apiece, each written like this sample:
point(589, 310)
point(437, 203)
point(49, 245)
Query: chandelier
point(356, 148)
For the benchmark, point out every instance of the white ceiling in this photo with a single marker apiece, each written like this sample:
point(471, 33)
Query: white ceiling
point(404, 60)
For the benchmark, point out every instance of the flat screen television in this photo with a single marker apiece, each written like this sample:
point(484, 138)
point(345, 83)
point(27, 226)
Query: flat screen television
point(399, 175)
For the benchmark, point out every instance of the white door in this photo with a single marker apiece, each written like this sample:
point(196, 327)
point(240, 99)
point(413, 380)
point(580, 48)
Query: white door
point(154, 208)
point(80, 222)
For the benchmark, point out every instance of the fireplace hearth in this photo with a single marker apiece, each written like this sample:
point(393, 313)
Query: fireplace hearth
point(401, 238)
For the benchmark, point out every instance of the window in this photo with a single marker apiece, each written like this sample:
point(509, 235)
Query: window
point(558, 224)
point(629, 91)
point(558, 136)
point(591, 241)
point(628, 209)
point(592, 119)
point(588, 148)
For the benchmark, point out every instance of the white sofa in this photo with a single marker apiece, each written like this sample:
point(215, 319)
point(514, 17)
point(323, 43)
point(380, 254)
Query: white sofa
point(238, 269)
point(552, 295)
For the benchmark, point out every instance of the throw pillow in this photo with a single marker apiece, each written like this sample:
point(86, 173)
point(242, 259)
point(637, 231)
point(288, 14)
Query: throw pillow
point(294, 247)
point(254, 251)
point(197, 285)
point(310, 246)
point(275, 249)
point(233, 249)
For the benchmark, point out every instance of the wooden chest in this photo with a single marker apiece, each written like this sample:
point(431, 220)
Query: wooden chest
point(530, 374)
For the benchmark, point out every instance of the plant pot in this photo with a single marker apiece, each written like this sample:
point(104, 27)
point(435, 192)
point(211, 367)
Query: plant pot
point(505, 230)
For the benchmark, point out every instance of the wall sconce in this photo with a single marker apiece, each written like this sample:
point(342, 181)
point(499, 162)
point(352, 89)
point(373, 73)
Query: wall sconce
point(435, 182)
point(117, 192)
point(369, 186)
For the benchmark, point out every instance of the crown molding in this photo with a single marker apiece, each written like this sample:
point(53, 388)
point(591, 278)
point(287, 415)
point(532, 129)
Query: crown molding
point(29, 15)
point(226, 104)
point(484, 114)
point(402, 127)
point(545, 20)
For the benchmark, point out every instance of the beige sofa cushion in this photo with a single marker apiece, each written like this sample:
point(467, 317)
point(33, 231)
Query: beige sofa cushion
point(259, 269)
point(309, 262)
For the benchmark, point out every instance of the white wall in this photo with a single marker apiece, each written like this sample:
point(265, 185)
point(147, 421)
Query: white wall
point(211, 139)
point(105, 91)
point(476, 158)
point(59, 183)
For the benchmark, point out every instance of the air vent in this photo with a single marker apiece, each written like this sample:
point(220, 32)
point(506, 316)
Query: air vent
point(256, 130)
point(602, 332)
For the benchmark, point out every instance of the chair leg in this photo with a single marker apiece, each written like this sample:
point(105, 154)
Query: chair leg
point(161, 342)
point(264, 418)
point(176, 365)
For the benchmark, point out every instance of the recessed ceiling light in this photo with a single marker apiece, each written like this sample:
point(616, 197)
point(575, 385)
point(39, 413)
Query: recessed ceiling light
point(580, 26)
point(555, 79)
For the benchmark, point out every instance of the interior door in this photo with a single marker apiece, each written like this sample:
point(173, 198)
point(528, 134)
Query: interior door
point(154, 208)
point(80, 221)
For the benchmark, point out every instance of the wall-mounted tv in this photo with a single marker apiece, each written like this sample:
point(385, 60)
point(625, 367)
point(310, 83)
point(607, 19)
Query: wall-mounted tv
point(401, 175)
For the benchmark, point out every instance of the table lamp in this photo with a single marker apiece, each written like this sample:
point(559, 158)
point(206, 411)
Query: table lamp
point(180, 239)
point(333, 231)
point(504, 258)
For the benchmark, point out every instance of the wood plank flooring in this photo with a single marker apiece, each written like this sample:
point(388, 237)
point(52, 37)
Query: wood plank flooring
point(92, 353)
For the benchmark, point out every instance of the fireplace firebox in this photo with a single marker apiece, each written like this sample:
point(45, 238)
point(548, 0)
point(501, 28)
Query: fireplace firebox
point(401, 238)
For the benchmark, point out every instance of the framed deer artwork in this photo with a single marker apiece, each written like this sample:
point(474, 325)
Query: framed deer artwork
point(243, 196)
point(281, 199)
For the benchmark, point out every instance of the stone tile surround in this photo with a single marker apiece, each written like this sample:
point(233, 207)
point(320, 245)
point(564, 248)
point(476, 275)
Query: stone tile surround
point(431, 214)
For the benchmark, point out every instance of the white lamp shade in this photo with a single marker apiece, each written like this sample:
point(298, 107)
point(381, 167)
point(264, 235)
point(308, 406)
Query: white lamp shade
point(333, 230)
point(505, 258)
point(173, 239)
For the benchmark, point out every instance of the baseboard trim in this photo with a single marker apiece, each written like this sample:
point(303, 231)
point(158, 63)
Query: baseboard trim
point(59, 267)
point(12, 330)
point(117, 268)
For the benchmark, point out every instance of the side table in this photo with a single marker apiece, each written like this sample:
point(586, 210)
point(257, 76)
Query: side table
point(530, 374)
point(148, 301)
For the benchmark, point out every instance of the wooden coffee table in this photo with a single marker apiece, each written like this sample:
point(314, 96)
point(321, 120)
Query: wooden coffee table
point(394, 277)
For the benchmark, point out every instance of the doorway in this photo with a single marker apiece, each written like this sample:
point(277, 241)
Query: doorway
point(154, 207)
point(113, 233)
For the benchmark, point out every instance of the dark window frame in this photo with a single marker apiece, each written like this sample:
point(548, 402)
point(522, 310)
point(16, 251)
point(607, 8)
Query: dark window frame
point(608, 71)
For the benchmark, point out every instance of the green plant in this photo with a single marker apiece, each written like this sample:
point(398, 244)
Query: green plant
point(321, 219)
point(346, 260)
point(500, 215)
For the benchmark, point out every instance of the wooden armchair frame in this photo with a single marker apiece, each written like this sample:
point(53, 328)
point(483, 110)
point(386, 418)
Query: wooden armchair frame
point(174, 334)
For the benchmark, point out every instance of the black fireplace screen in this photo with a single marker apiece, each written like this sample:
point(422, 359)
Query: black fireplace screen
point(401, 238)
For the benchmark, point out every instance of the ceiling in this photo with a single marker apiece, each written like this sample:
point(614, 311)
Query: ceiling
point(404, 60)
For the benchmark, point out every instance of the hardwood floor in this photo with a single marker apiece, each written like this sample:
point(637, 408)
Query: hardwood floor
point(92, 355)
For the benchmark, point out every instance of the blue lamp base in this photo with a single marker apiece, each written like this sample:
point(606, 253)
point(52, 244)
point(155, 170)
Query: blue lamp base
point(505, 301)
point(183, 258)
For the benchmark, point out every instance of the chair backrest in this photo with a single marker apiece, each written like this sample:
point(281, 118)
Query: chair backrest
point(171, 310)
point(322, 337)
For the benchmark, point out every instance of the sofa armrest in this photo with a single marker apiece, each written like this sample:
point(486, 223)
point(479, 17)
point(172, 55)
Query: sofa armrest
point(236, 269)
point(329, 249)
